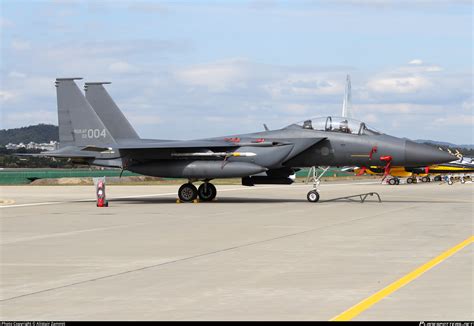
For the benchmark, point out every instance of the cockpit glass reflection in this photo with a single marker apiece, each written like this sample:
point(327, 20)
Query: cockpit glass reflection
point(338, 124)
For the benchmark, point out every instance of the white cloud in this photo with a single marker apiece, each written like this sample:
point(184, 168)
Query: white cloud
point(402, 84)
point(433, 68)
point(408, 4)
point(141, 120)
point(6, 95)
point(20, 45)
point(369, 118)
point(26, 92)
point(397, 108)
point(417, 69)
point(16, 74)
point(415, 62)
point(29, 118)
point(468, 105)
point(149, 7)
point(5, 23)
point(217, 77)
point(296, 108)
point(247, 94)
point(300, 84)
point(121, 67)
point(406, 79)
point(456, 120)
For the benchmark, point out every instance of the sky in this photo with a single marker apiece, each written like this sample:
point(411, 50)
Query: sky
point(194, 69)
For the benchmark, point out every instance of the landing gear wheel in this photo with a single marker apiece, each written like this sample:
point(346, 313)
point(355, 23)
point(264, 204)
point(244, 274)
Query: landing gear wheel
point(313, 196)
point(207, 192)
point(187, 192)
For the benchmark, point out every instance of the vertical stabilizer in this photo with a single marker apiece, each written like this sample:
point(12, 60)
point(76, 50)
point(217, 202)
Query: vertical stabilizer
point(347, 103)
point(79, 125)
point(108, 111)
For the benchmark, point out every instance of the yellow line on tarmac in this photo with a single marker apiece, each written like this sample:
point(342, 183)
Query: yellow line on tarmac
point(354, 311)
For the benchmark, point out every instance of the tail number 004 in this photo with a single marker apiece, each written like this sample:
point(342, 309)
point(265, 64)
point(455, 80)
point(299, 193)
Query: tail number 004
point(94, 133)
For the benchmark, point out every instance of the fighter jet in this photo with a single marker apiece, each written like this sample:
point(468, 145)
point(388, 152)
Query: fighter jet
point(94, 131)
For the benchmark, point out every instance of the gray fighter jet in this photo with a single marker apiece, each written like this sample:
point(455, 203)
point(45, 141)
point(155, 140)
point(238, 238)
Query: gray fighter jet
point(93, 130)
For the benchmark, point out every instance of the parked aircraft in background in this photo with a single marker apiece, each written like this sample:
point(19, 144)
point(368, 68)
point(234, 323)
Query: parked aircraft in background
point(462, 168)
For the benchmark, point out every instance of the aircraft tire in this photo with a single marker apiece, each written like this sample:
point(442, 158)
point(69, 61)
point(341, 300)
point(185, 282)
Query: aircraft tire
point(187, 192)
point(207, 192)
point(313, 196)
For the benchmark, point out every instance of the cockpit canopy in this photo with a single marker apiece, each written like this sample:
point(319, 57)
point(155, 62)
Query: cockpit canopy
point(338, 124)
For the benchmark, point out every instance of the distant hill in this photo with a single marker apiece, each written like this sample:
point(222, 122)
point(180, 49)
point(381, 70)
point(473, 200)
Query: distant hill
point(41, 133)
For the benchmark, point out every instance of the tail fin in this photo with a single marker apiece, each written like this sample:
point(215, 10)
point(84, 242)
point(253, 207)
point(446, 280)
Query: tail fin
point(108, 111)
point(79, 125)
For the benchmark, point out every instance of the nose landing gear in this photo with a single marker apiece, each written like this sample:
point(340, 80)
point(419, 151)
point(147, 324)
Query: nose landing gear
point(313, 195)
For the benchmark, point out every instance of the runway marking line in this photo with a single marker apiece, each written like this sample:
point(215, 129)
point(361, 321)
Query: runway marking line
point(357, 309)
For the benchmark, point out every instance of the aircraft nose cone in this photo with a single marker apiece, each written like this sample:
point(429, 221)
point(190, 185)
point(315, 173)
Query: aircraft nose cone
point(420, 154)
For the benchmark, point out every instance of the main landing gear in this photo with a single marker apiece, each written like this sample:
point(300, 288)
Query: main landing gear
point(189, 193)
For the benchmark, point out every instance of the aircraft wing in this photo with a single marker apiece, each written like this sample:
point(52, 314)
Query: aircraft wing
point(178, 145)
